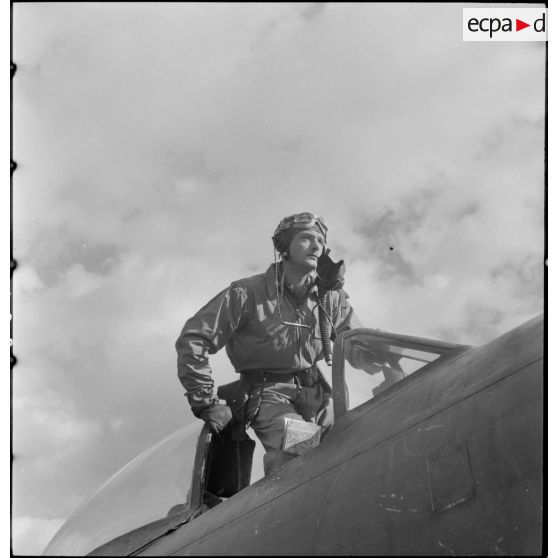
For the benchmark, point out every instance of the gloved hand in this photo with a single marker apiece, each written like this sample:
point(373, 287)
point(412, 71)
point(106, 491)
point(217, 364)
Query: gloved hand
point(330, 274)
point(216, 416)
point(325, 416)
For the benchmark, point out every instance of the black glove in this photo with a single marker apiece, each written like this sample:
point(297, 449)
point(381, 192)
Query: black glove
point(216, 416)
point(330, 274)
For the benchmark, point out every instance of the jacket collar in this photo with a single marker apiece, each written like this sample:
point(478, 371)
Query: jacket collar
point(270, 278)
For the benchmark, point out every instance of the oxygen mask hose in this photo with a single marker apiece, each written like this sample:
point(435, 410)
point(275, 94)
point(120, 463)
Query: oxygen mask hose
point(330, 278)
point(325, 327)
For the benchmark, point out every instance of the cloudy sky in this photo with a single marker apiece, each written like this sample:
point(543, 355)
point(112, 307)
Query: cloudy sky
point(159, 146)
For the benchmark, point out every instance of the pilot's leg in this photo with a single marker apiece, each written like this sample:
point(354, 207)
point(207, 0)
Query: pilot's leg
point(277, 403)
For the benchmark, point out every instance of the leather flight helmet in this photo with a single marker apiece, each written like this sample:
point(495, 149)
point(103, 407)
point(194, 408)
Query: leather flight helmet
point(290, 226)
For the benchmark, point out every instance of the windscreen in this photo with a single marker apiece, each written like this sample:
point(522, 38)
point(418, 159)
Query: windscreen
point(373, 364)
point(145, 490)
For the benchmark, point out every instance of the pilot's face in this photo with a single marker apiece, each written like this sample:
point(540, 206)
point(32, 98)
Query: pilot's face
point(305, 248)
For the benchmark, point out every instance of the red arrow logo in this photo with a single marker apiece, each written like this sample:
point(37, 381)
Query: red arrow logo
point(519, 25)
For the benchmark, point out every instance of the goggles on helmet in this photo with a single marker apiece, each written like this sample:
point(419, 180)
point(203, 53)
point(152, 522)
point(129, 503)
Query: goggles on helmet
point(302, 221)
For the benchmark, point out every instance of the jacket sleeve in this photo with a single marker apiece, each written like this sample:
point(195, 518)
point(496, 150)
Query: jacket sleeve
point(203, 335)
point(344, 314)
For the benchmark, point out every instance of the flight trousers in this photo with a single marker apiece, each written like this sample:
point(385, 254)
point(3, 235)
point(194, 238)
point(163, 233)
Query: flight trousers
point(263, 400)
point(273, 398)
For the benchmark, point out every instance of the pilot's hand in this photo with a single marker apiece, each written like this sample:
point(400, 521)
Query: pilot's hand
point(217, 417)
point(330, 274)
point(325, 416)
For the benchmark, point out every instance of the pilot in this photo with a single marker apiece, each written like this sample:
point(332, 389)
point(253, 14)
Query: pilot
point(270, 327)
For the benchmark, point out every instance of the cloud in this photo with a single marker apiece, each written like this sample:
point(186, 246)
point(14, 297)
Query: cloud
point(28, 279)
point(57, 249)
point(313, 10)
point(53, 422)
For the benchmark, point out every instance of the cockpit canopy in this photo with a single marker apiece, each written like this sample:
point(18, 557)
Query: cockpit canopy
point(153, 487)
